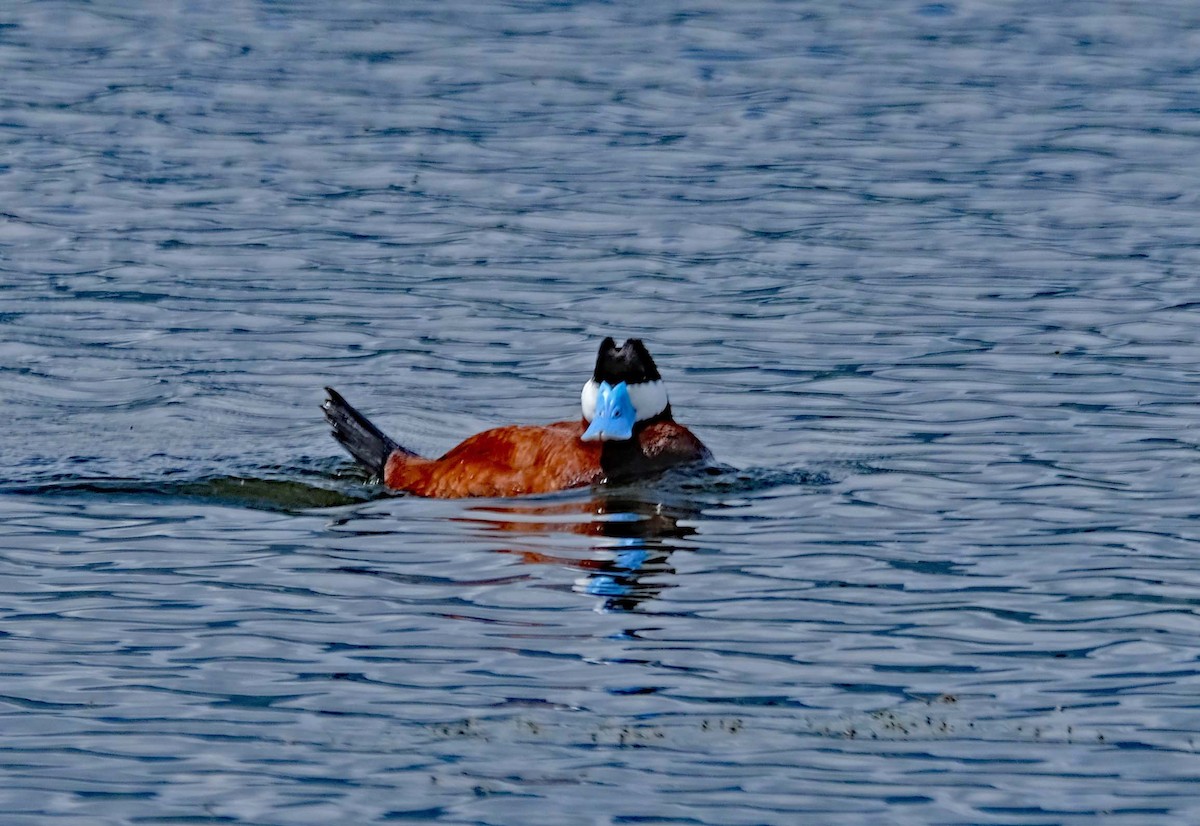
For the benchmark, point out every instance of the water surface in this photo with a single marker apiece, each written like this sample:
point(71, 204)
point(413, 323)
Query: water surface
point(920, 274)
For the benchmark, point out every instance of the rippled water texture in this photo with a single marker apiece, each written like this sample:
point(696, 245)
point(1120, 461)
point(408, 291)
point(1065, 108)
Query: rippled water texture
point(923, 275)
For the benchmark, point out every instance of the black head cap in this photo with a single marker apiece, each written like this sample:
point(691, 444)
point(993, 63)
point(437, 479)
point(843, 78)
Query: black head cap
point(629, 363)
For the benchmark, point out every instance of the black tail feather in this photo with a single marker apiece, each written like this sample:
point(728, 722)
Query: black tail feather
point(363, 440)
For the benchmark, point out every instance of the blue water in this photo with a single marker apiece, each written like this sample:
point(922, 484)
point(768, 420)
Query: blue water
point(922, 275)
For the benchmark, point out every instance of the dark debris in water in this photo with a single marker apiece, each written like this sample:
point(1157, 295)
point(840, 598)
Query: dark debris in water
point(939, 719)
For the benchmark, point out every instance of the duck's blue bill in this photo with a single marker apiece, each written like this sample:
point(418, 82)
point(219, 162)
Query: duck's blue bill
point(613, 420)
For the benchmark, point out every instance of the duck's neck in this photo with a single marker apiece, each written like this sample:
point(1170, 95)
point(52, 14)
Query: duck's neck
point(627, 459)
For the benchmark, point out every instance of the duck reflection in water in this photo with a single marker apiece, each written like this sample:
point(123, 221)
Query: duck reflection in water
point(627, 562)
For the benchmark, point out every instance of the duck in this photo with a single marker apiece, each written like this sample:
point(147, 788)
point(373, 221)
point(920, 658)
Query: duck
point(626, 431)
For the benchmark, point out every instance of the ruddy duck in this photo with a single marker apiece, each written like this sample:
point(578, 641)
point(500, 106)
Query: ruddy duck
point(627, 431)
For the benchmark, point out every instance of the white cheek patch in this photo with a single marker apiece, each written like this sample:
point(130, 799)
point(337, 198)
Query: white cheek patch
point(588, 399)
point(649, 399)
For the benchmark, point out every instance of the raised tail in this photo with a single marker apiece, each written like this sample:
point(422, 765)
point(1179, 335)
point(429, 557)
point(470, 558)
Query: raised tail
point(362, 440)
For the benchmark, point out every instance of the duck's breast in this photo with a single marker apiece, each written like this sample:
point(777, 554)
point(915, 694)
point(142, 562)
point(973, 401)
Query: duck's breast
point(670, 443)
